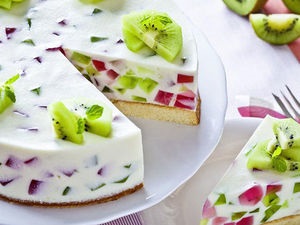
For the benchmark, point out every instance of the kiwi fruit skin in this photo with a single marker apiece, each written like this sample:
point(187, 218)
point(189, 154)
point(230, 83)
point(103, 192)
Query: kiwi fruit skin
point(157, 30)
point(245, 7)
point(276, 29)
point(292, 5)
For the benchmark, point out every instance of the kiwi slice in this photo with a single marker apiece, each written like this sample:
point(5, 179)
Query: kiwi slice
point(287, 133)
point(6, 4)
point(7, 94)
point(259, 158)
point(96, 115)
point(245, 7)
point(65, 123)
point(292, 154)
point(156, 30)
point(292, 5)
point(277, 29)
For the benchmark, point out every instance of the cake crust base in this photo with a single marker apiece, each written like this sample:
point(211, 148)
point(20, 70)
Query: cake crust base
point(288, 220)
point(160, 112)
point(72, 204)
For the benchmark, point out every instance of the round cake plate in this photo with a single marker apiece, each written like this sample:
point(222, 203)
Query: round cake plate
point(173, 153)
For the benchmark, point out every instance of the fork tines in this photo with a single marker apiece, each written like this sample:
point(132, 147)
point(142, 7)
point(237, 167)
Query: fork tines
point(289, 104)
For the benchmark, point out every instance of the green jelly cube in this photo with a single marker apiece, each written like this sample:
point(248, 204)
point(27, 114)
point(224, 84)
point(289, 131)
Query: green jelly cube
point(128, 82)
point(90, 69)
point(147, 85)
point(81, 58)
point(139, 99)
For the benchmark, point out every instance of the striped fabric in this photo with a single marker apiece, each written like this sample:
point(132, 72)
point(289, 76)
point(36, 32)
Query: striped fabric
point(133, 219)
point(276, 6)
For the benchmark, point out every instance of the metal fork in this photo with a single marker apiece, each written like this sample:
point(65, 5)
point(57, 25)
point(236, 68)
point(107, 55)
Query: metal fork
point(294, 114)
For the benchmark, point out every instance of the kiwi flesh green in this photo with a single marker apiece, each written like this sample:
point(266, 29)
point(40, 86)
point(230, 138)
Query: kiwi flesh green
point(65, 123)
point(292, 5)
point(287, 133)
point(277, 29)
point(157, 30)
point(292, 154)
point(259, 158)
point(245, 7)
point(101, 124)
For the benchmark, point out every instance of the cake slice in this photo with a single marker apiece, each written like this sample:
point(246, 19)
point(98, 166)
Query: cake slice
point(150, 74)
point(262, 186)
point(48, 160)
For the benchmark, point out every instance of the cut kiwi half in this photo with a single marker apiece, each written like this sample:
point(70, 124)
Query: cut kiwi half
point(245, 7)
point(277, 29)
point(292, 5)
point(259, 158)
point(71, 117)
point(96, 115)
point(156, 30)
point(287, 133)
point(65, 123)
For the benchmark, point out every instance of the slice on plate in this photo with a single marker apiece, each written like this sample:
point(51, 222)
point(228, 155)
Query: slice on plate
point(262, 186)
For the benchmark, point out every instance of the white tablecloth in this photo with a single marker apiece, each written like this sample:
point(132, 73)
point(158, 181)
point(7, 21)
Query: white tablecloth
point(253, 67)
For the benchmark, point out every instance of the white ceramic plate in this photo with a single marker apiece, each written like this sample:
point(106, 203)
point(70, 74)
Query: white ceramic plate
point(184, 206)
point(173, 153)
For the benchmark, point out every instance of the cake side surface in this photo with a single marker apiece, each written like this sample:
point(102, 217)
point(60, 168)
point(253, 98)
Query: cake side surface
point(36, 167)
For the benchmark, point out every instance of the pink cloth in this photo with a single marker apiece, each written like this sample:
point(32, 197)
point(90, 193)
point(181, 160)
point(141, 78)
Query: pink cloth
point(277, 6)
point(133, 219)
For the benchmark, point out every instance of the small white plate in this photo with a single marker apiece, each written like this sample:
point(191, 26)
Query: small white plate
point(173, 153)
point(184, 206)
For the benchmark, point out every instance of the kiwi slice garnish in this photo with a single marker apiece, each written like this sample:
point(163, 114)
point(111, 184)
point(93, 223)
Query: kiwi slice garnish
point(287, 133)
point(7, 94)
point(245, 7)
point(156, 30)
point(277, 29)
point(65, 123)
point(72, 117)
point(292, 5)
point(282, 153)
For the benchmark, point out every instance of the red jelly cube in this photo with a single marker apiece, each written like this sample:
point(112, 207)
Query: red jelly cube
point(54, 49)
point(272, 188)
point(112, 74)
point(31, 161)
point(185, 101)
point(251, 196)
point(163, 97)
point(34, 187)
point(4, 182)
point(219, 220)
point(182, 78)
point(99, 65)
point(208, 210)
point(246, 221)
point(9, 31)
point(14, 163)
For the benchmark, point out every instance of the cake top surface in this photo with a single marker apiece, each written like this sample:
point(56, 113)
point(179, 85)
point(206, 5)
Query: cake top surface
point(27, 122)
point(74, 24)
